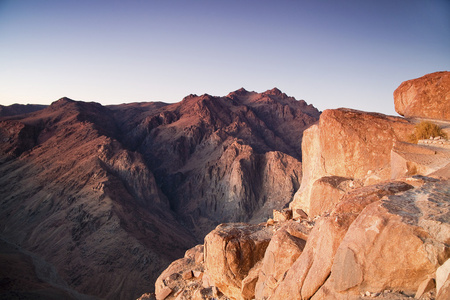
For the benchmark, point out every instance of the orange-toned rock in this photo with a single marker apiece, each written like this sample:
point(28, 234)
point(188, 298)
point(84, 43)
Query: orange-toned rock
point(249, 282)
point(444, 292)
point(350, 144)
point(283, 215)
point(163, 293)
point(424, 97)
point(284, 248)
point(231, 251)
point(326, 192)
point(313, 266)
point(396, 243)
point(181, 271)
point(442, 275)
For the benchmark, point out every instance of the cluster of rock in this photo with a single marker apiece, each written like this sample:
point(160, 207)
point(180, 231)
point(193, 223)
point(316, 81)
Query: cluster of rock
point(437, 142)
point(370, 220)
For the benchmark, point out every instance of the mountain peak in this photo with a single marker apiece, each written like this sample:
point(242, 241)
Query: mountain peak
point(241, 91)
point(275, 92)
point(238, 93)
point(61, 102)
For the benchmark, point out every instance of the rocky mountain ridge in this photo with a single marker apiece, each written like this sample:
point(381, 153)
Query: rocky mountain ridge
point(370, 220)
point(108, 196)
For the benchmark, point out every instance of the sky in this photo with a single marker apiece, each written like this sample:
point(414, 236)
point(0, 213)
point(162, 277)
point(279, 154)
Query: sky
point(331, 54)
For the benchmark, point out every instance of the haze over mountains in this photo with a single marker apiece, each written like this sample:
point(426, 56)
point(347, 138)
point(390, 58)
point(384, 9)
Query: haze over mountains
point(104, 198)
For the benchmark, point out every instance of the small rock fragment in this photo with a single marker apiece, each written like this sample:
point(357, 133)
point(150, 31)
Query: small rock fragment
point(163, 293)
point(425, 286)
point(197, 274)
point(187, 275)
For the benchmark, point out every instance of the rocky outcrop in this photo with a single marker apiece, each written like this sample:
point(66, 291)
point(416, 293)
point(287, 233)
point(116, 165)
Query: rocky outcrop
point(313, 267)
point(424, 97)
point(231, 251)
point(352, 145)
point(283, 250)
point(413, 224)
point(327, 191)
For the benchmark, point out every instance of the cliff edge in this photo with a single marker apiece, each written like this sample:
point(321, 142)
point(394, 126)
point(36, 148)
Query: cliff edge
point(369, 221)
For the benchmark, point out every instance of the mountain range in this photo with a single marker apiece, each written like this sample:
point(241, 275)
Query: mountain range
point(98, 200)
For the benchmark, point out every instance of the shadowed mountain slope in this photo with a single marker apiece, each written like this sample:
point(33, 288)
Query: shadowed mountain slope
point(18, 109)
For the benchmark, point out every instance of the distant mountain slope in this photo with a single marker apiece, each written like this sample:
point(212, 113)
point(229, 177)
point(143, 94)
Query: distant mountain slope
point(109, 196)
point(18, 109)
point(223, 159)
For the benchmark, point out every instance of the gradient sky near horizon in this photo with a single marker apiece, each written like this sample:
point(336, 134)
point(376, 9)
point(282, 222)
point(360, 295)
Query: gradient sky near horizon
point(351, 53)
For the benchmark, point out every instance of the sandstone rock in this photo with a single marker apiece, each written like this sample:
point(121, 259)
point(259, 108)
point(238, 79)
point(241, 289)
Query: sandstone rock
point(424, 97)
point(284, 248)
point(326, 192)
point(195, 254)
point(197, 274)
point(442, 173)
point(187, 275)
point(442, 274)
point(411, 159)
point(181, 272)
point(270, 222)
point(313, 266)
point(426, 286)
point(444, 291)
point(249, 282)
point(311, 169)
point(163, 293)
point(282, 216)
point(300, 213)
point(147, 296)
point(231, 251)
point(396, 243)
point(350, 144)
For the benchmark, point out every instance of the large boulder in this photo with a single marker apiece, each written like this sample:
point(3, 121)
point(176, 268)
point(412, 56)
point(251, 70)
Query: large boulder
point(394, 244)
point(326, 192)
point(424, 97)
point(350, 144)
point(313, 266)
point(231, 251)
point(284, 248)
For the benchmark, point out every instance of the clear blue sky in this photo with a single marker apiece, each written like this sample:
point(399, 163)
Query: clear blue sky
point(329, 53)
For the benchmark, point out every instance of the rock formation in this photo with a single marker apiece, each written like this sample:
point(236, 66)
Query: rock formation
point(348, 148)
point(231, 251)
point(109, 196)
point(367, 223)
point(424, 97)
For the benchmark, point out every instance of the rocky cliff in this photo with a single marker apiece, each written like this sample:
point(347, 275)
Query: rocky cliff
point(369, 221)
point(107, 197)
point(219, 159)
